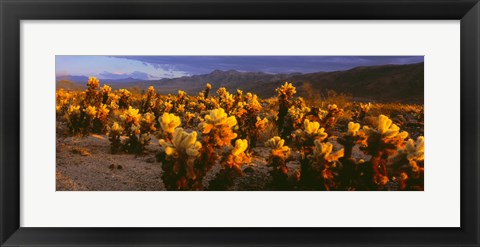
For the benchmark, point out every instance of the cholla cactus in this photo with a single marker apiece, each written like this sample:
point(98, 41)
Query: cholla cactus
point(63, 101)
point(180, 97)
point(364, 109)
point(188, 117)
point(180, 108)
point(148, 122)
point(113, 101)
point(384, 134)
point(124, 98)
point(261, 124)
point(89, 118)
point(91, 111)
point(247, 114)
point(312, 130)
point(295, 118)
point(178, 160)
point(231, 161)
point(353, 136)
point(93, 83)
point(182, 143)
point(131, 116)
point(286, 91)
point(114, 134)
point(323, 151)
point(323, 167)
point(208, 87)
point(383, 141)
point(168, 123)
point(149, 102)
point(137, 139)
point(277, 147)
point(285, 94)
point(75, 118)
point(227, 100)
point(100, 121)
point(218, 127)
point(105, 91)
point(304, 138)
point(168, 106)
point(217, 135)
point(352, 172)
point(92, 95)
point(278, 161)
point(415, 151)
point(332, 116)
point(407, 165)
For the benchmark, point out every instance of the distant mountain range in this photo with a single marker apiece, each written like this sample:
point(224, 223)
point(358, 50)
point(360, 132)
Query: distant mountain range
point(385, 83)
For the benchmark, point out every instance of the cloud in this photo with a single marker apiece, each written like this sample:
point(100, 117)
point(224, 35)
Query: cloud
point(267, 64)
point(134, 74)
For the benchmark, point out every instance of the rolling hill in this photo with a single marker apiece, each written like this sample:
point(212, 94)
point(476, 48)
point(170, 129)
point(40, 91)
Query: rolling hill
point(386, 83)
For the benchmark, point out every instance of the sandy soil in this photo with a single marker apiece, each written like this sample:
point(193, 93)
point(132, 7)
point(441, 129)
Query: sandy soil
point(86, 164)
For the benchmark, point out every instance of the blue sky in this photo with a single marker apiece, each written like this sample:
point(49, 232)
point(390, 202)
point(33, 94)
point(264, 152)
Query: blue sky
point(157, 67)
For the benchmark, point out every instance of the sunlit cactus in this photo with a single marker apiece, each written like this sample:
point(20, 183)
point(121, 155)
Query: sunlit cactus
point(149, 102)
point(286, 91)
point(382, 141)
point(279, 153)
point(205, 93)
point(75, 119)
point(124, 98)
point(168, 123)
point(276, 144)
point(323, 167)
point(148, 122)
point(261, 124)
point(93, 83)
point(285, 94)
point(188, 117)
point(114, 132)
point(332, 116)
point(183, 143)
point(131, 116)
point(91, 111)
point(227, 100)
point(324, 151)
point(388, 132)
point(313, 129)
point(407, 164)
point(137, 136)
point(218, 127)
point(305, 138)
point(168, 106)
point(230, 162)
point(178, 160)
point(92, 94)
point(63, 101)
point(364, 109)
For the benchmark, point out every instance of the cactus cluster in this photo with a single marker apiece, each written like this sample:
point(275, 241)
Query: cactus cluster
point(314, 146)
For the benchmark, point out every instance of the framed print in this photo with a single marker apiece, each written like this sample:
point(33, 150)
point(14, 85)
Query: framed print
point(239, 123)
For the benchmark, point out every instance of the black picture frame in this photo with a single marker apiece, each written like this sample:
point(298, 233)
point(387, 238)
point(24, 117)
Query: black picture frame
point(13, 11)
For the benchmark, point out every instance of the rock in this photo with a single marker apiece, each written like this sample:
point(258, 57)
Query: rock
point(119, 167)
point(112, 166)
point(151, 160)
point(249, 170)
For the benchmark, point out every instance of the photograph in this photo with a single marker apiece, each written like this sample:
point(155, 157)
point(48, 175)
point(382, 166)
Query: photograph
point(239, 123)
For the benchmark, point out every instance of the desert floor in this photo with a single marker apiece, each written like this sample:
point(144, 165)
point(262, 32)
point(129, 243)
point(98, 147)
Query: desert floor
point(86, 164)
